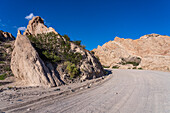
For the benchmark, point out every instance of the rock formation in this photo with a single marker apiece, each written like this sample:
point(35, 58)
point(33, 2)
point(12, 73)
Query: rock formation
point(4, 36)
point(29, 65)
point(36, 26)
point(6, 47)
point(149, 52)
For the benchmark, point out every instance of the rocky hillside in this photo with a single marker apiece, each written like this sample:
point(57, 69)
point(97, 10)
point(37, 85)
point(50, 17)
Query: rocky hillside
point(6, 47)
point(42, 57)
point(5, 36)
point(149, 52)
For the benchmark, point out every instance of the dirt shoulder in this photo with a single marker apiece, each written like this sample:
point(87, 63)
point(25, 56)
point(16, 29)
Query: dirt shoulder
point(14, 97)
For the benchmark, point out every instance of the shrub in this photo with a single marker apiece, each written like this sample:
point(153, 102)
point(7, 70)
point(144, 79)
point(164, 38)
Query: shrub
point(54, 49)
point(105, 66)
point(66, 37)
point(73, 71)
point(93, 52)
point(83, 46)
point(106, 72)
point(134, 68)
point(115, 67)
point(3, 76)
point(51, 56)
point(7, 46)
point(133, 63)
point(7, 68)
point(140, 68)
point(2, 62)
point(77, 42)
point(56, 58)
point(4, 55)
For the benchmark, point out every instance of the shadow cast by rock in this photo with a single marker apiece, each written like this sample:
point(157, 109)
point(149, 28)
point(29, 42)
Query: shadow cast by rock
point(3, 83)
point(107, 72)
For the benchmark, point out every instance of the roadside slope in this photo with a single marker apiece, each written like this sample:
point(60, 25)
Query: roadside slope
point(127, 91)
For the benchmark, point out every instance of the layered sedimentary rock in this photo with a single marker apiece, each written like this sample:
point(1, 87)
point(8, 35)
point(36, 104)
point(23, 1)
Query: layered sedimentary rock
point(153, 52)
point(28, 66)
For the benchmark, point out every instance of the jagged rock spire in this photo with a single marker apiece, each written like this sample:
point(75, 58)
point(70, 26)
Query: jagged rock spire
point(36, 26)
point(6, 36)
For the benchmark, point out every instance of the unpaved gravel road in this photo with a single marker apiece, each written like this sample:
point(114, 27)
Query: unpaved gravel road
point(127, 91)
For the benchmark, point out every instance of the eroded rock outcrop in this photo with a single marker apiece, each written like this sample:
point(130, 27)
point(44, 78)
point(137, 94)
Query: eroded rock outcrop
point(28, 66)
point(6, 47)
point(90, 66)
point(36, 26)
point(4, 36)
point(37, 65)
point(152, 49)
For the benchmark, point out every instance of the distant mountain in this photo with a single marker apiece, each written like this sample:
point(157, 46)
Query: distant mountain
point(150, 52)
point(42, 57)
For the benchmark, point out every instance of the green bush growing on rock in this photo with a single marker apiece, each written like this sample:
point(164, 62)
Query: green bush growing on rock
point(51, 56)
point(106, 66)
point(52, 47)
point(66, 37)
point(7, 68)
point(2, 62)
point(115, 67)
point(133, 63)
point(73, 71)
point(7, 46)
point(140, 68)
point(106, 72)
point(78, 42)
point(134, 68)
point(3, 76)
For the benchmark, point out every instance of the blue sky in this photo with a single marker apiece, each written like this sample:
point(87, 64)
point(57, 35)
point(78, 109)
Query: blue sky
point(92, 21)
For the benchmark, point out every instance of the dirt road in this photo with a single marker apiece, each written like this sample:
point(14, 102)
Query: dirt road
point(127, 91)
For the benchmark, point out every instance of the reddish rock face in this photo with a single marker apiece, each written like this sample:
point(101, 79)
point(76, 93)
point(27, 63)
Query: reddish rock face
point(153, 49)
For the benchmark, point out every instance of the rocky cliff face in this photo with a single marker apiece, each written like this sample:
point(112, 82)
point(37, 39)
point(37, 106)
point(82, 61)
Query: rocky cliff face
point(6, 47)
point(42, 57)
point(5, 36)
point(149, 52)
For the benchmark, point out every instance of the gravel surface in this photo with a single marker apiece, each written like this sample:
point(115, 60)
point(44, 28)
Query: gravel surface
point(126, 91)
